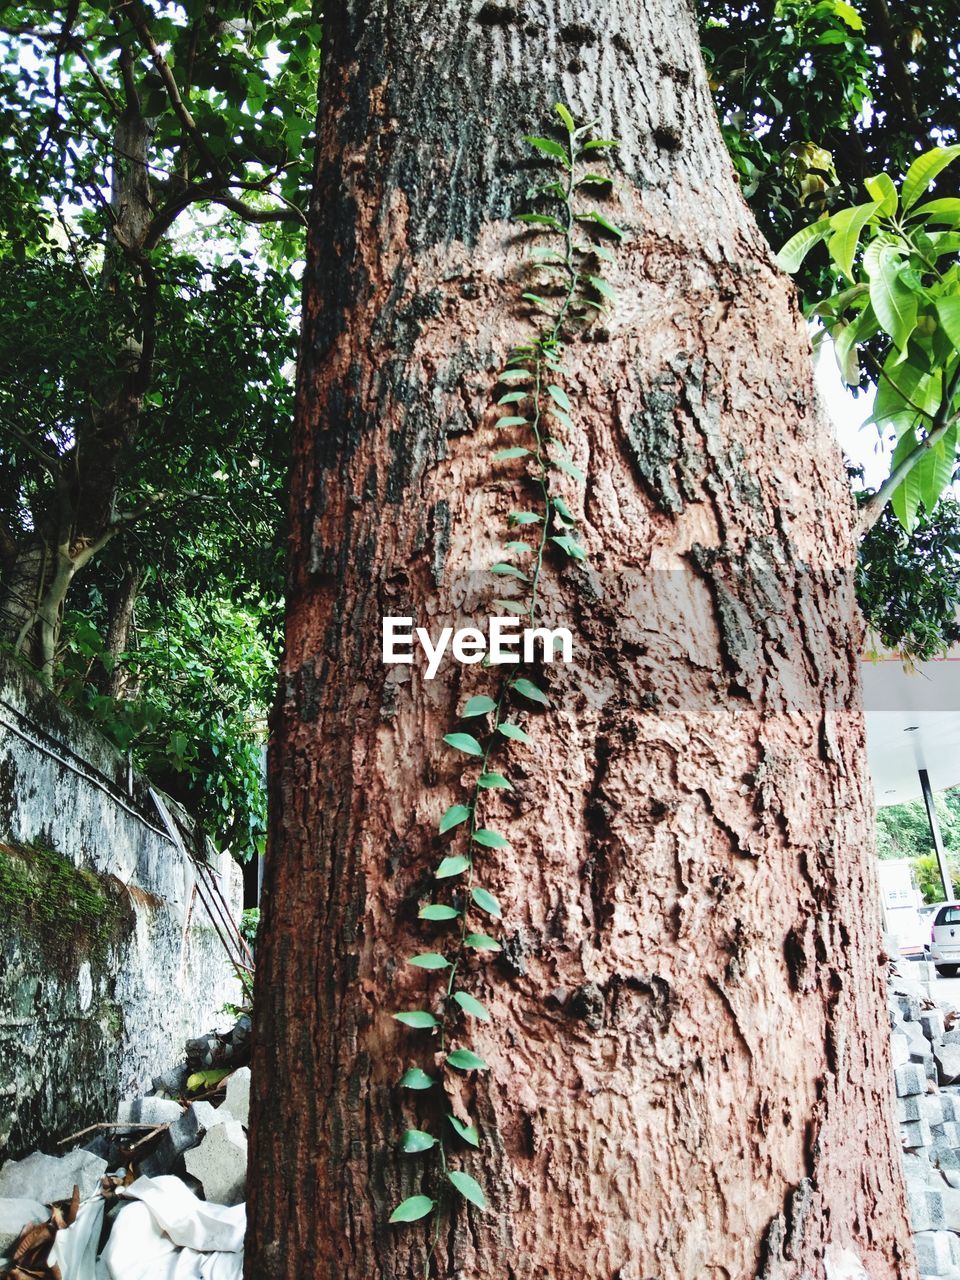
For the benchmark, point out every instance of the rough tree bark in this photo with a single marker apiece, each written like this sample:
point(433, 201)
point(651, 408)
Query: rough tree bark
point(687, 1048)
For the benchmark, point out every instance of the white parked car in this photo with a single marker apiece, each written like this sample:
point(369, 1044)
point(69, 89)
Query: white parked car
point(945, 939)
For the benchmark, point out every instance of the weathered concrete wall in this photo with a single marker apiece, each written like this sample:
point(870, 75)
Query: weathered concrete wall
point(108, 958)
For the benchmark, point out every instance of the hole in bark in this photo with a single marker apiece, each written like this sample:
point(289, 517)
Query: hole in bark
point(577, 33)
point(667, 138)
point(497, 15)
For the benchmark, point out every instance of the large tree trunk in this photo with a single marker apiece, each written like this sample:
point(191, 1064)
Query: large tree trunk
point(687, 1050)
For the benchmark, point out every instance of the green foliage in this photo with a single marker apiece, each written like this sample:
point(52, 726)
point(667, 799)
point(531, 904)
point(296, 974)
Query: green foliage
point(908, 585)
point(895, 302)
point(568, 289)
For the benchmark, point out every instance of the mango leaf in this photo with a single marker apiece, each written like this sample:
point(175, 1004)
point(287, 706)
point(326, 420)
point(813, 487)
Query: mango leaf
point(935, 468)
point(437, 911)
point(464, 1060)
point(430, 960)
point(416, 1079)
point(894, 305)
point(848, 14)
point(464, 742)
point(884, 192)
point(418, 1018)
point(847, 225)
point(456, 814)
point(452, 867)
point(792, 254)
point(415, 1140)
point(906, 498)
point(412, 1209)
point(469, 1004)
point(944, 210)
point(923, 171)
point(486, 902)
point(527, 689)
point(468, 1187)
point(948, 313)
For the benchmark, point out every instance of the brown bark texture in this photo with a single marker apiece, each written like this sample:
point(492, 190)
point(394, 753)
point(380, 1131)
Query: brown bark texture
point(688, 1066)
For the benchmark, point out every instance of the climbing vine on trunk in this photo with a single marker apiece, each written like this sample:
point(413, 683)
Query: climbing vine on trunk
point(537, 408)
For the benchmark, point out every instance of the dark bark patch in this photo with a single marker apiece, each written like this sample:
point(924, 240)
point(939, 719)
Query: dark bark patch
point(498, 15)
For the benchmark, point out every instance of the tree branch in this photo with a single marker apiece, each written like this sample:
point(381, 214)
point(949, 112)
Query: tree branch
point(139, 19)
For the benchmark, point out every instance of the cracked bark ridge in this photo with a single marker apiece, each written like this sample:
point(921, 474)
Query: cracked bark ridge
point(687, 1046)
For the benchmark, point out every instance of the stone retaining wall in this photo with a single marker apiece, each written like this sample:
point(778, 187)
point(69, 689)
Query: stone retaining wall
point(108, 958)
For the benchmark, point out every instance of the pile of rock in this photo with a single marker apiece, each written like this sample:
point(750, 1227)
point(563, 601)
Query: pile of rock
point(206, 1145)
point(925, 1039)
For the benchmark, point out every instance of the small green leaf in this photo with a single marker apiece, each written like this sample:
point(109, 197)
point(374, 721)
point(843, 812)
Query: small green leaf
point(468, 1132)
point(416, 1140)
point(509, 570)
point(514, 397)
point(527, 689)
point(466, 1061)
point(430, 960)
point(570, 547)
point(597, 143)
point(540, 219)
point(559, 396)
point(491, 781)
point(601, 286)
point(486, 902)
point(452, 867)
point(601, 221)
point(847, 225)
point(564, 464)
point(513, 731)
point(482, 942)
point(560, 416)
point(468, 1187)
point(564, 510)
point(515, 375)
point(523, 517)
point(520, 548)
point(456, 814)
point(511, 422)
point(437, 911)
point(490, 839)
point(412, 1209)
point(464, 742)
point(511, 606)
point(469, 1004)
point(515, 451)
point(418, 1018)
point(565, 116)
point(480, 705)
point(549, 148)
point(416, 1079)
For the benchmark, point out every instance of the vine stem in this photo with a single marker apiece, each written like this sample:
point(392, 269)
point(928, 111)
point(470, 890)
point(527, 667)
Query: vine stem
point(544, 350)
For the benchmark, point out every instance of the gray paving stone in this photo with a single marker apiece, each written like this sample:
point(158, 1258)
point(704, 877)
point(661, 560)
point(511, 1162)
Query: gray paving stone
point(51, 1178)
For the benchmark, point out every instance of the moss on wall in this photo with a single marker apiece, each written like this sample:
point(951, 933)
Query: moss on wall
point(72, 912)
